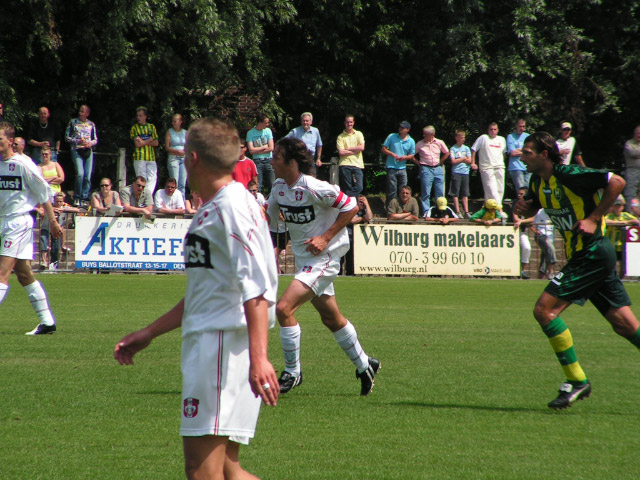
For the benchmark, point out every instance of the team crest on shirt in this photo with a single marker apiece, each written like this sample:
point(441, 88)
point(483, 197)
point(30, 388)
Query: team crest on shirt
point(307, 269)
point(298, 195)
point(190, 409)
point(12, 167)
point(557, 192)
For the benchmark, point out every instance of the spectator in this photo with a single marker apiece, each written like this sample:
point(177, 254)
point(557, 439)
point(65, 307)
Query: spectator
point(460, 167)
point(517, 170)
point(631, 154)
point(52, 172)
point(18, 147)
point(50, 247)
point(83, 136)
point(635, 204)
point(102, 200)
point(44, 133)
point(260, 145)
point(245, 170)
point(169, 200)
point(568, 146)
point(136, 199)
point(490, 214)
point(350, 145)
point(490, 148)
point(174, 142)
point(145, 139)
point(544, 231)
point(193, 203)
point(616, 220)
point(399, 148)
point(525, 245)
point(441, 213)
point(1, 112)
point(432, 152)
point(310, 136)
point(404, 209)
point(364, 215)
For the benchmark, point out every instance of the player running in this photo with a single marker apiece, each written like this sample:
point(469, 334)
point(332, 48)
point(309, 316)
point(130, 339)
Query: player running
point(21, 189)
point(316, 213)
point(571, 197)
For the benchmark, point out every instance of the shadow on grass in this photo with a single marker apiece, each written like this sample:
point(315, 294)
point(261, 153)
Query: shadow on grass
point(159, 392)
point(467, 407)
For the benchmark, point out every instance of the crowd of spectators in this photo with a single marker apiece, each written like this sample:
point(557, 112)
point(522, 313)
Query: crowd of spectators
point(490, 154)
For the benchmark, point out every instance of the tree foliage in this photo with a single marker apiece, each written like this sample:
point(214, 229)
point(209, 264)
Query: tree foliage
point(451, 63)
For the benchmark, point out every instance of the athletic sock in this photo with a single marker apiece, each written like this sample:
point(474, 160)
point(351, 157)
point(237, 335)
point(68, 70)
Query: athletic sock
point(290, 339)
point(4, 289)
point(347, 338)
point(39, 302)
point(562, 343)
point(635, 338)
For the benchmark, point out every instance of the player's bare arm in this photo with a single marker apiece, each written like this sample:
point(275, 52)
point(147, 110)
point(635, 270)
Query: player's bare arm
point(261, 372)
point(54, 226)
point(316, 245)
point(589, 225)
point(139, 340)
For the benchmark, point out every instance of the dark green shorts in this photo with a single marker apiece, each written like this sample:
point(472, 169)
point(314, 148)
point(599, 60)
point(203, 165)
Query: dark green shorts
point(591, 276)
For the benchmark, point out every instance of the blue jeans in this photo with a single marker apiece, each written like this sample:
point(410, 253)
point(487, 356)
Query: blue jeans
point(177, 170)
point(396, 179)
point(84, 168)
point(430, 177)
point(266, 177)
point(520, 178)
point(350, 179)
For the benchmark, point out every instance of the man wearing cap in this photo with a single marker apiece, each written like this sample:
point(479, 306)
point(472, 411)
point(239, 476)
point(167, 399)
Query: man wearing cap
point(399, 148)
point(490, 148)
point(489, 214)
point(568, 146)
point(406, 208)
point(441, 213)
point(431, 152)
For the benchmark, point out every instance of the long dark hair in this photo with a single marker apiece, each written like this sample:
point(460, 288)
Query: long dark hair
point(545, 141)
point(294, 149)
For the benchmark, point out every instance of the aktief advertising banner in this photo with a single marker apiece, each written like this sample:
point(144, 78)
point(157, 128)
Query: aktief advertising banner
point(127, 243)
point(632, 252)
point(475, 250)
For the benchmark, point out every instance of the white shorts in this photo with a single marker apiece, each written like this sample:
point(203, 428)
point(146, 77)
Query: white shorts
point(216, 394)
point(318, 273)
point(16, 237)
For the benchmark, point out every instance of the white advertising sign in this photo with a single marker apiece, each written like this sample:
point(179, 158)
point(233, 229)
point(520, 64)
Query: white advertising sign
point(475, 250)
point(632, 252)
point(128, 243)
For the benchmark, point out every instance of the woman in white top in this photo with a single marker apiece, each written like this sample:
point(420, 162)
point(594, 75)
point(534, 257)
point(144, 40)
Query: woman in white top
point(174, 142)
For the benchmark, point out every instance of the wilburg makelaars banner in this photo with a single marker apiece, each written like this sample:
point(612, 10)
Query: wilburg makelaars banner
point(478, 250)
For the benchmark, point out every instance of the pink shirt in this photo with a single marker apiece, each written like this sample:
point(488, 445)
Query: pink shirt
point(429, 153)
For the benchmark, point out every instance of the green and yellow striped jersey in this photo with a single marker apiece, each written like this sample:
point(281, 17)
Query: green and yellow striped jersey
point(570, 195)
point(146, 153)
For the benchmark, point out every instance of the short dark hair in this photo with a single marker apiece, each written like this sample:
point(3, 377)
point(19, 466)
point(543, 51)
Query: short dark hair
point(260, 117)
point(171, 180)
point(8, 129)
point(142, 109)
point(294, 149)
point(544, 141)
point(141, 178)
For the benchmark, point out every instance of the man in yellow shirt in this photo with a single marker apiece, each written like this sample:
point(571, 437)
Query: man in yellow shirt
point(350, 145)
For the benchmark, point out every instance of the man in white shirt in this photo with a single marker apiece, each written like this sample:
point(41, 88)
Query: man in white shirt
point(316, 213)
point(22, 187)
point(568, 146)
point(225, 315)
point(490, 149)
point(170, 200)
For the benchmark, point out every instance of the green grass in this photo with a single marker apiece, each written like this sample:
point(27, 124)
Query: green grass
point(466, 375)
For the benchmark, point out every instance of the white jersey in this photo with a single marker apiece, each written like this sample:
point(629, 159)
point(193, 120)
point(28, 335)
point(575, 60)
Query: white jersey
point(22, 186)
point(490, 151)
point(310, 207)
point(229, 260)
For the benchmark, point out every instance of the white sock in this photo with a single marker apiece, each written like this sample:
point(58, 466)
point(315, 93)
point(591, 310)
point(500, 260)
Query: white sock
point(4, 289)
point(347, 338)
point(290, 338)
point(39, 302)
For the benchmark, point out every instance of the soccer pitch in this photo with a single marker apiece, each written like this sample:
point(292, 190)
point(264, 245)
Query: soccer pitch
point(466, 376)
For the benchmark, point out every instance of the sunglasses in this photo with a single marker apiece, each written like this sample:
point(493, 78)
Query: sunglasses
point(105, 185)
